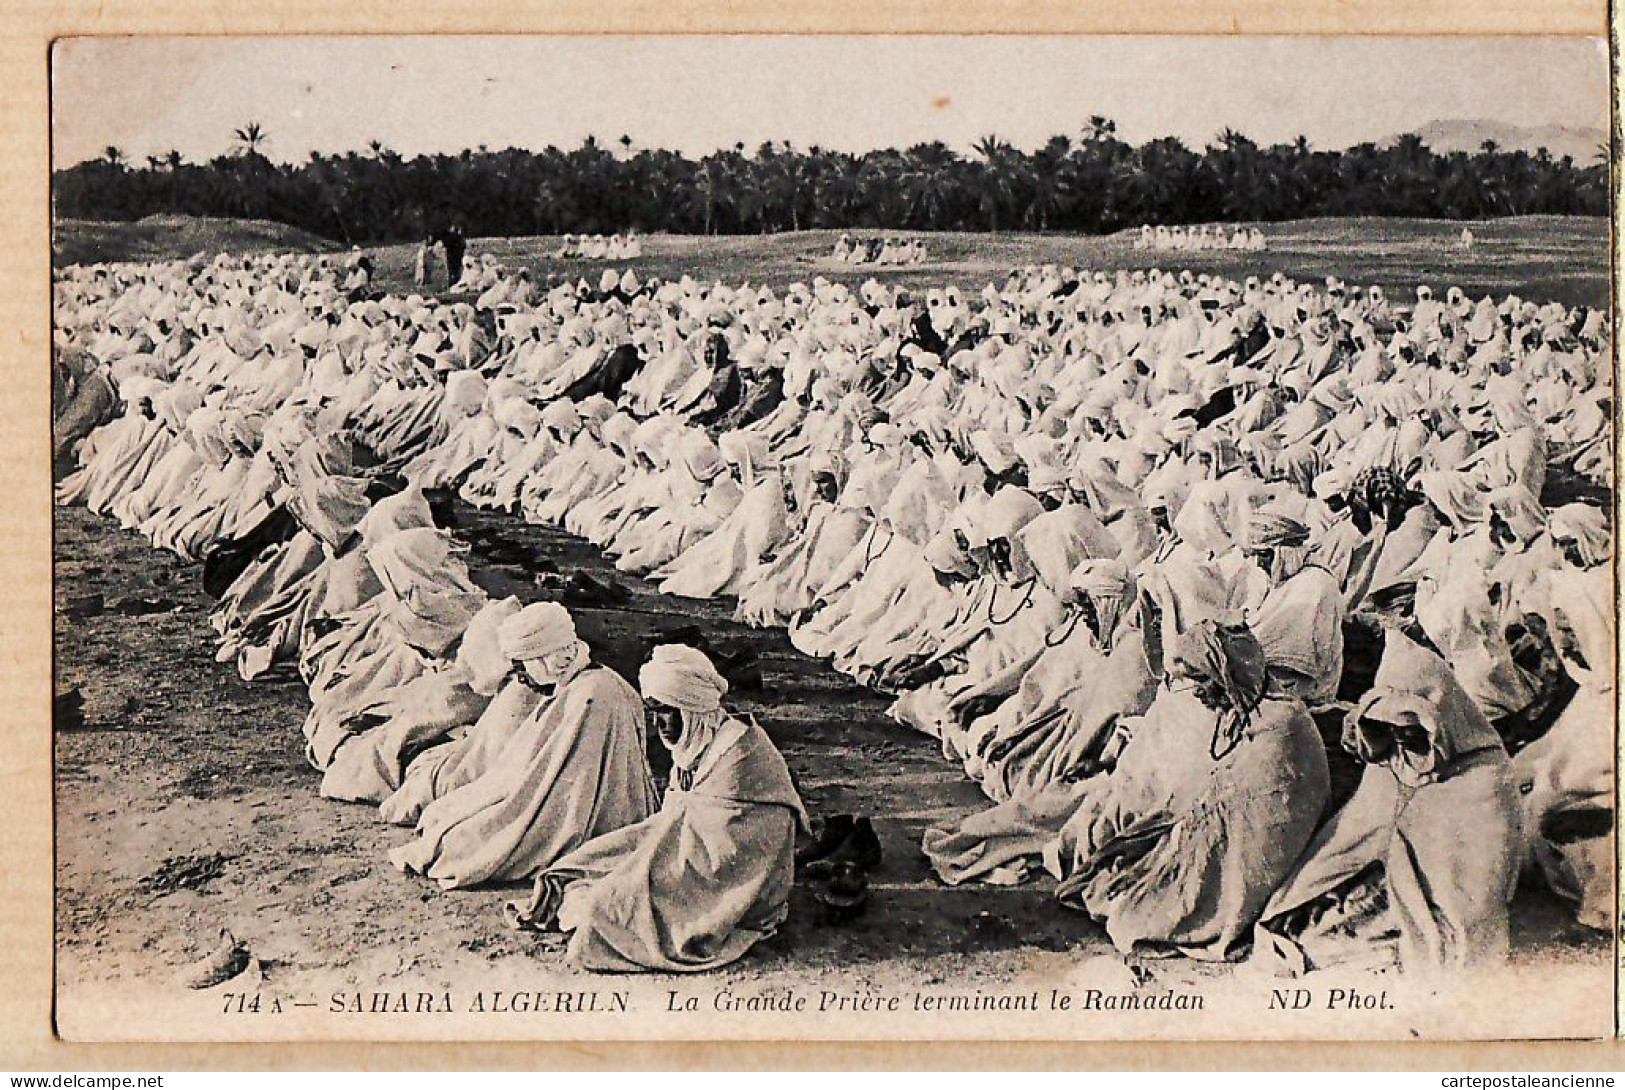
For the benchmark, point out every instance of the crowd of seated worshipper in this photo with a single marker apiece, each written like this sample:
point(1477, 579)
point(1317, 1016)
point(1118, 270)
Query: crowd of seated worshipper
point(1271, 618)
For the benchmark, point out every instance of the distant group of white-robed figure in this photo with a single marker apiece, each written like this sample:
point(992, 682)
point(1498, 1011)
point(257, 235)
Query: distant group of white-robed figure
point(878, 251)
point(1203, 237)
point(616, 247)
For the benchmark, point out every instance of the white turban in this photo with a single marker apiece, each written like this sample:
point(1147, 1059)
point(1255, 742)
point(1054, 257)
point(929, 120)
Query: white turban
point(518, 416)
point(885, 434)
point(1519, 508)
point(480, 653)
point(465, 390)
point(538, 630)
point(701, 458)
point(595, 410)
point(680, 677)
point(139, 387)
point(826, 391)
point(740, 449)
point(619, 431)
point(311, 335)
point(829, 462)
point(177, 403)
point(1586, 526)
point(1103, 577)
point(424, 575)
point(1110, 587)
point(426, 346)
point(994, 452)
point(1300, 626)
point(945, 554)
point(405, 510)
point(561, 417)
point(1046, 477)
point(1008, 511)
point(1179, 429)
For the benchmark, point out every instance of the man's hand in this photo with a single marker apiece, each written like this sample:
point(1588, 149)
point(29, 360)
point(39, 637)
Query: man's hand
point(968, 711)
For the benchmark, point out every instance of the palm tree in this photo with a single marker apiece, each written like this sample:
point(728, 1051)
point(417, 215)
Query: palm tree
point(929, 183)
point(1053, 182)
point(113, 155)
point(712, 190)
point(1099, 128)
point(1410, 174)
point(1000, 176)
point(782, 177)
point(250, 138)
point(838, 190)
point(1239, 169)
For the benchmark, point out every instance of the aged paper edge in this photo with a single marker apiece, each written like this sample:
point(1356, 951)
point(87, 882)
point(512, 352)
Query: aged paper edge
point(26, 29)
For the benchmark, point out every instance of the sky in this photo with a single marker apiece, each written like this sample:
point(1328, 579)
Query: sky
point(696, 94)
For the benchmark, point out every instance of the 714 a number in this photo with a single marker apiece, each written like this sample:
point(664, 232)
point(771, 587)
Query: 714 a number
point(250, 1003)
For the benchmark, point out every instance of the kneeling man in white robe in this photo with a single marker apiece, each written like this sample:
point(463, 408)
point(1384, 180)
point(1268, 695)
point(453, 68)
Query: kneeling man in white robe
point(709, 876)
point(572, 769)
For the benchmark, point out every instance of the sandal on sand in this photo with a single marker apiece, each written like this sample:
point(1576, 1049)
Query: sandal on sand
point(845, 895)
point(828, 835)
point(860, 847)
point(229, 958)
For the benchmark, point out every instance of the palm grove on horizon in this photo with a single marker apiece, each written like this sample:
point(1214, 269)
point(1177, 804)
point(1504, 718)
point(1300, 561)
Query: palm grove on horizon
point(1096, 183)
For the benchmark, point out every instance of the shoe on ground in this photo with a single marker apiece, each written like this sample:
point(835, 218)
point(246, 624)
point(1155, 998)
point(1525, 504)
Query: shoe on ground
point(861, 846)
point(828, 835)
point(845, 895)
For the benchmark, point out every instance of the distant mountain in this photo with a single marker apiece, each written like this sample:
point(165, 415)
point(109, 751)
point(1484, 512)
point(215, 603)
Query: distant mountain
point(1580, 141)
